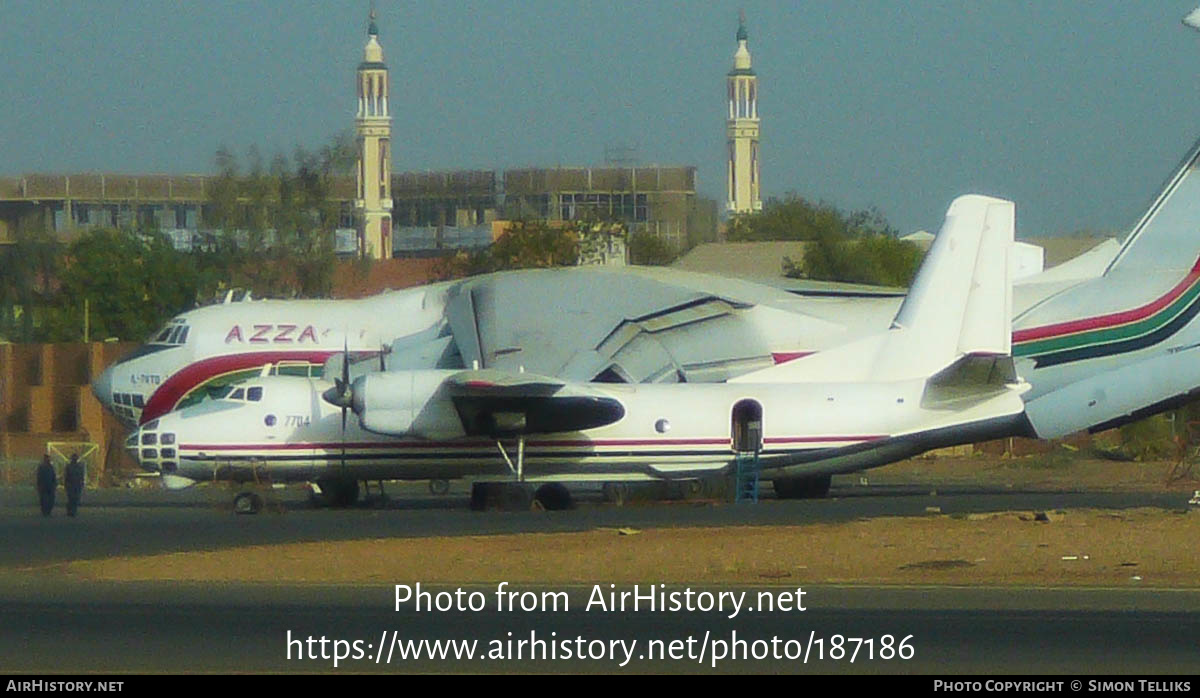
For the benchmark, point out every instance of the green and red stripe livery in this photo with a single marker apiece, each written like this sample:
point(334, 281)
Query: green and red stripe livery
point(1114, 333)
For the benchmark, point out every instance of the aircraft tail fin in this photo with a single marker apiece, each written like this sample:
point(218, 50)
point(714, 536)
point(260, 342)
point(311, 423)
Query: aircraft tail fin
point(1165, 237)
point(960, 304)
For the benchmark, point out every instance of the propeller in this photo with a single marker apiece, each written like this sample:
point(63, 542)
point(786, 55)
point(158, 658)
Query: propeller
point(341, 394)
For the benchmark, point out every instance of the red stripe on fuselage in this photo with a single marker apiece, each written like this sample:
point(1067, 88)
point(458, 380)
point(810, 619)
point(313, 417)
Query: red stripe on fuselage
point(1112, 319)
point(190, 377)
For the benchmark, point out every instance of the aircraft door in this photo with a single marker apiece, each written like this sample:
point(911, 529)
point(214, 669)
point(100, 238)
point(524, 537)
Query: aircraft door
point(746, 426)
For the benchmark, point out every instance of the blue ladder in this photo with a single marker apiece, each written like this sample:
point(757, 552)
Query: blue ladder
point(747, 477)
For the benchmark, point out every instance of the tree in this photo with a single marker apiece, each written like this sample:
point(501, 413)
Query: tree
point(27, 269)
point(533, 244)
point(857, 247)
point(131, 282)
point(796, 218)
point(649, 249)
point(526, 244)
point(276, 223)
point(873, 259)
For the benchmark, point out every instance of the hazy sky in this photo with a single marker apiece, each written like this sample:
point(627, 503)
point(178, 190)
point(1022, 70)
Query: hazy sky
point(1076, 110)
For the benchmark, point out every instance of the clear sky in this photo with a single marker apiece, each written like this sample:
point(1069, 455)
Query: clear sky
point(1076, 110)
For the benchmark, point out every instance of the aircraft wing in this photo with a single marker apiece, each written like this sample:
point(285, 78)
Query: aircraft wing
point(642, 325)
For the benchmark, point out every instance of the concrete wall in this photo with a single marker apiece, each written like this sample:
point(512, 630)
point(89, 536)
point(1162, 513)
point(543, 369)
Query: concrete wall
point(45, 396)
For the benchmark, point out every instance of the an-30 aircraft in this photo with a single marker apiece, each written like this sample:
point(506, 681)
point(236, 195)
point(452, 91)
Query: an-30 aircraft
point(1104, 339)
point(941, 374)
point(1087, 350)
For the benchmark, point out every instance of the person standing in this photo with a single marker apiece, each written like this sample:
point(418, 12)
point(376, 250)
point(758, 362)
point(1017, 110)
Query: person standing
point(47, 481)
point(73, 477)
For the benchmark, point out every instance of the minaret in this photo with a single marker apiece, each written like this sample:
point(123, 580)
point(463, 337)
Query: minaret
point(742, 130)
point(373, 126)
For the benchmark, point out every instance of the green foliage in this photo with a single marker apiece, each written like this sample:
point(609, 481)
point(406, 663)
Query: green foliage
point(649, 249)
point(27, 270)
point(276, 221)
point(1150, 438)
point(857, 247)
point(275, 224)
point(873, 259)
point(796, 218)
point(532, 244)
point(131, 281)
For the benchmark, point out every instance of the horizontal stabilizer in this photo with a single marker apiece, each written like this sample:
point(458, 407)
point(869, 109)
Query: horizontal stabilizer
point(972, 377)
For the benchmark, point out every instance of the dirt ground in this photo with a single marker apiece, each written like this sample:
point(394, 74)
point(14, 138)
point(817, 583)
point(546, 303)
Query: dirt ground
point(1141, 547)
point(1092, 548)
point(1059, 471)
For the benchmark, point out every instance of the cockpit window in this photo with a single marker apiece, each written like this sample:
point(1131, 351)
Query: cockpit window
point(174, 334)
point(243, 394)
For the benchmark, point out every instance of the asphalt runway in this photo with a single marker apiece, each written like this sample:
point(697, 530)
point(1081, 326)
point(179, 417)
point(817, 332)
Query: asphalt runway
point(53, 625)
point(52, 628)
point(133, 522)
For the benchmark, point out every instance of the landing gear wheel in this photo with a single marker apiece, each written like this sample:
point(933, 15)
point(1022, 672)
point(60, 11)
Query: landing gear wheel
point(439, 487)
point(553, 497)
point(247, 503)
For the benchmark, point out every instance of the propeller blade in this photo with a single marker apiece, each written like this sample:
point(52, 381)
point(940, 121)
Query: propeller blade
point(345, 394)
point(345, 362)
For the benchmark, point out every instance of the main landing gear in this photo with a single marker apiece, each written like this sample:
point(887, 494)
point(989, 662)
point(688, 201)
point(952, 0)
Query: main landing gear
point(518, 495)
point(802, 487)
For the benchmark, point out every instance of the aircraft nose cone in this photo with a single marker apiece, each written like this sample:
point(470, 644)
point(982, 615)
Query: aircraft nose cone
point(102, 387)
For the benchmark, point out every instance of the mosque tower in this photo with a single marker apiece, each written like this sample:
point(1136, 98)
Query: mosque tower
point(741, 131)
point(373, 127)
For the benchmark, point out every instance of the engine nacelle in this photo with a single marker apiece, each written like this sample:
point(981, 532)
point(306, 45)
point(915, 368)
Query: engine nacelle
point(407, 403)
